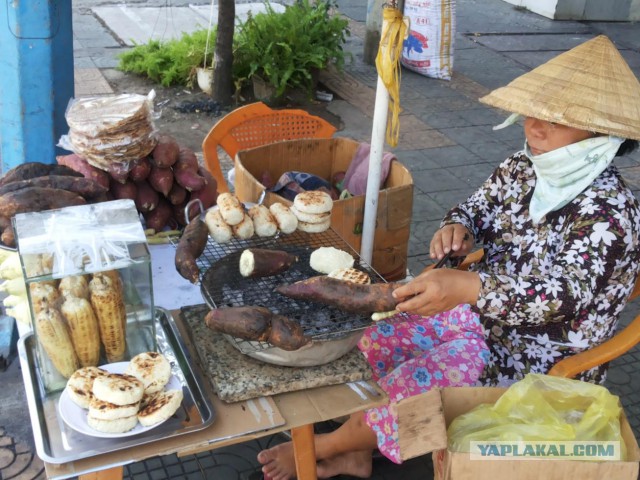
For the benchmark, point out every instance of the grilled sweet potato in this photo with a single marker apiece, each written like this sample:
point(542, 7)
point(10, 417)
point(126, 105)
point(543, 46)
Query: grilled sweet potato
point(85, 187)
point(348, 296)
point(286, 334)
point(28, 170)
point(190, 247)
point(262, 262)
point(37, 199)
point(249, 323)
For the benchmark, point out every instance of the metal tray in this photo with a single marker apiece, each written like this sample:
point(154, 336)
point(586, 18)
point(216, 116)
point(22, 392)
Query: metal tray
point(57, 443)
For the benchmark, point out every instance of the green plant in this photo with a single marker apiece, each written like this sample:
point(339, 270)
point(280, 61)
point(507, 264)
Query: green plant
point(172, 62)
point(287, 49)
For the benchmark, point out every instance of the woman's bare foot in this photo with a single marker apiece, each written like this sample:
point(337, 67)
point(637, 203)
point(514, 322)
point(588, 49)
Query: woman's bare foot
point(356, 464)
point(278, 463)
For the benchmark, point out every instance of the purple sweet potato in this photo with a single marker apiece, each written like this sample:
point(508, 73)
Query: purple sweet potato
point(249, 323)
point(207, 194)
point(347, 296)
point(121, 191)
point(286, 334)
point(177, 195)
point(146, 197)
point(28, 170)
point(37, 199)
point(190, 247)
point(161, 179)
point(80, 165)
point(85, 187)
point(140, 169)
point(165, 153)
point(185, 170)
point(160, 216)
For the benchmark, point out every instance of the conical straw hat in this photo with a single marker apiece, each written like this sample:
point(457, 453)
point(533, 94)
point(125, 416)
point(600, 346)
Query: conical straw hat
point(589, 87)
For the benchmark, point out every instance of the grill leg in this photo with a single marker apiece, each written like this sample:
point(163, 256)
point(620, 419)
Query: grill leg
point(304, 452)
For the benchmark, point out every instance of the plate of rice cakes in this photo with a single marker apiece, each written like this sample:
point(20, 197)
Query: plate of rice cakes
point(121, 399)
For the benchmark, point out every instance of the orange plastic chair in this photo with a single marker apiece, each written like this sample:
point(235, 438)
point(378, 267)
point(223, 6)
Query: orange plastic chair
point(618, 345)
point(255, 125)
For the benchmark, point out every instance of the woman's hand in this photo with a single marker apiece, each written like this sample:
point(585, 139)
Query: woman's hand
point(438, 290)
point(454, 237)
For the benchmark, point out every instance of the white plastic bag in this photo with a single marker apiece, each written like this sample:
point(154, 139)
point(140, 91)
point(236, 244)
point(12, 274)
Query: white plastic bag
point(429, 48)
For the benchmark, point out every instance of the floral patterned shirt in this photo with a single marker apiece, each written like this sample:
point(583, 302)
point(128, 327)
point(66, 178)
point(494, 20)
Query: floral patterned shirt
point(554, 289)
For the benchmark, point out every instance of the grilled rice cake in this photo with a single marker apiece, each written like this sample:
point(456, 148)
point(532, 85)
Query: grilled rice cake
point(120, 425)
point(120, 389)
point(162, 406)
point(352, 275)
point(152, 369)
point(101, 410)
point(80, 385)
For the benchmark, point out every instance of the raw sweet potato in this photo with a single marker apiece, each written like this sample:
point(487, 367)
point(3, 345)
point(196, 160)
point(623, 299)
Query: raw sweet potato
point(146, 197)
point(178, 213)
point(80, 165)
point(140, 169)
point(286, 334)
point(263, 262)
point(161, 179)
point(190, 247)
point(165, 153)
point(177, 195)
point(85, 187)
point(347, 296)
point(28, 170)
point(121, 191)
point(160, 216)
point(37, 199)
point(207, 194)
point(119, 171)
point(249, 323)
point(8, 236)
point(185, 170)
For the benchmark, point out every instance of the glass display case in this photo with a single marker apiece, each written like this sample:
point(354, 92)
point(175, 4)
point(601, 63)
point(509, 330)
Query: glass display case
point(87, 271)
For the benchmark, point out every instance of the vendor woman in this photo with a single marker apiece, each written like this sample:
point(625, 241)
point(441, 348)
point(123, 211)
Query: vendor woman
point(559, 228)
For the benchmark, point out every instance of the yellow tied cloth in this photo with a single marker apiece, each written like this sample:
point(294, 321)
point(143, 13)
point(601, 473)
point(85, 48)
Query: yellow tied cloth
point(388, 64)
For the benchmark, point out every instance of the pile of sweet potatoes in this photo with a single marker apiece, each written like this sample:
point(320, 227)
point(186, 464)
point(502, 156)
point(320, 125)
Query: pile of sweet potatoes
point(36, 187)
point(161, 184)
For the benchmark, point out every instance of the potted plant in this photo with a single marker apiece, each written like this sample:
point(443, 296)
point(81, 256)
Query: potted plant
point(281, 51)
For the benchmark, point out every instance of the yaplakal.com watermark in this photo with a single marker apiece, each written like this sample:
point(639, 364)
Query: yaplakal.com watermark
point(558, 450)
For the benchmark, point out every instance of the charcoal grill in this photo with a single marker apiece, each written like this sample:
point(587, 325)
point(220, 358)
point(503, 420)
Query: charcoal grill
point(333, 331)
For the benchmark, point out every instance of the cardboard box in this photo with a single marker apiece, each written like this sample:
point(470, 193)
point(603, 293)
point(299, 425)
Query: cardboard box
point(422, 424)
point(325, 158)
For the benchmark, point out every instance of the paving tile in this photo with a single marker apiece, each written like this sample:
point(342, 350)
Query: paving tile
point(425, 208)
point(424, 139)
point(416, 159)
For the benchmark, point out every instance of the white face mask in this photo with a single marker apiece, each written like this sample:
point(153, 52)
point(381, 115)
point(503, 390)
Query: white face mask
point(562, 174)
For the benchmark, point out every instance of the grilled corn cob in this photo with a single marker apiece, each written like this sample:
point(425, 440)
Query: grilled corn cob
point(74, 286)
point(83, 327)
point(54, 336)
point(43, 295)
point(109, 308)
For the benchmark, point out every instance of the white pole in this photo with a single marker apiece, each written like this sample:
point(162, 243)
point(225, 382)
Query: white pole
point(380, 113)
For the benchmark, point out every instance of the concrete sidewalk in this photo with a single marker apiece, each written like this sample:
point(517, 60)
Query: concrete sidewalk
point(446, 141)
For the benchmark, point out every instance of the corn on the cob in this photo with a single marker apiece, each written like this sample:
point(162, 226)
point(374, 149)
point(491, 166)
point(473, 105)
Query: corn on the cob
point(43, 295)
point(83, 327)
point(14, 286)
point(74, 286)
point(109, 308)
point(54, 336)
point(11, 267)
point(20, 312)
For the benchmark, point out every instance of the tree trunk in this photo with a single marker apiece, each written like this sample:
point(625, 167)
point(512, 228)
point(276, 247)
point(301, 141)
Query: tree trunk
point(222, 81)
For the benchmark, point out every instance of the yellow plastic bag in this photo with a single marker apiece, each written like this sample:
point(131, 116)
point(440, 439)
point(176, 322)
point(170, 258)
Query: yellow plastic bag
point(542, 408)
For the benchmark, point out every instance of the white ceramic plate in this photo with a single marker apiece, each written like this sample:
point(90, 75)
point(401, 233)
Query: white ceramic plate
point(76, 417)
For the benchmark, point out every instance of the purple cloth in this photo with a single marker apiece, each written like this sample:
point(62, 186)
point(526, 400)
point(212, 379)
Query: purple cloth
point(355, 180)
point(291, 183)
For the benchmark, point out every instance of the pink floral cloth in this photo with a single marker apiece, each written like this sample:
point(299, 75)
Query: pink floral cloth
point(411, 354)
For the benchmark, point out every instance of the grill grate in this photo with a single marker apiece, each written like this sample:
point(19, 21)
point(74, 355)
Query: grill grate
point(223, 286)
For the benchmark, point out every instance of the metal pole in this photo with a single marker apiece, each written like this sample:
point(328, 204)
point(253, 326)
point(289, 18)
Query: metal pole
point(36, 61)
